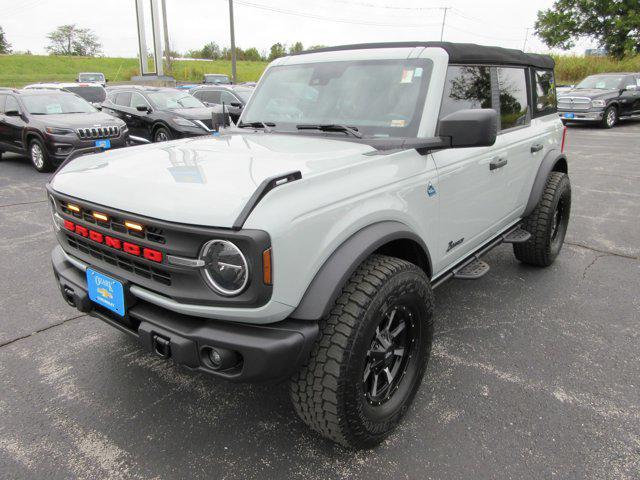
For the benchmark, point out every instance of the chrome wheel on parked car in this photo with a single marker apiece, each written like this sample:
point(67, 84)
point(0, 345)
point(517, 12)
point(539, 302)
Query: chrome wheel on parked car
point(610, 117)
point(39, 156)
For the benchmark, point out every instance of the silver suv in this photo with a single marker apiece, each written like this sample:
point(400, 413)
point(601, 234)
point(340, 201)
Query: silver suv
point(306, 243)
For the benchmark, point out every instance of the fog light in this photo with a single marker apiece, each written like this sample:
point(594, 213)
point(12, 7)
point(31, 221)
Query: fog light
point(216, 358)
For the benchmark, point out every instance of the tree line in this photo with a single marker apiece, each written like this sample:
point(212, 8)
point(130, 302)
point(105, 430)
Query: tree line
point(212, 51)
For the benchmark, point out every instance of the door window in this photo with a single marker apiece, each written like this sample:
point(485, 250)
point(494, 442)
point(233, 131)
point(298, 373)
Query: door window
point(466, 87)
point(209, 96)
point(138, 100)
point(123, 99)
point(514, 104)
point(11, 104)
point(544, 91)
point(228, 98)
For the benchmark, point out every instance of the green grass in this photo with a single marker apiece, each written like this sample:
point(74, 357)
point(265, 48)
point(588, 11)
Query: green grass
point(19, 70)
point(572, 69)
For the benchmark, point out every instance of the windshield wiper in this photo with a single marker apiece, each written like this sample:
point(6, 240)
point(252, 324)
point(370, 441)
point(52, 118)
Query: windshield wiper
point(330, 127)
point(263, 125)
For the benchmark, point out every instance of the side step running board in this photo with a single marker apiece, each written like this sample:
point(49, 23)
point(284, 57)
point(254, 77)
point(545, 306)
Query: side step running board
point(472, 268)
point(517, 235)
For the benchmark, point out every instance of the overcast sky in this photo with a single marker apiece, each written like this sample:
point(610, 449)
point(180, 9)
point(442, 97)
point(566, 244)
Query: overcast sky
point(260, 23)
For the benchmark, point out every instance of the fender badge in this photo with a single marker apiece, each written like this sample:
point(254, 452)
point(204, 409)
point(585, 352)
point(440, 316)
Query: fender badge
point(431, 190)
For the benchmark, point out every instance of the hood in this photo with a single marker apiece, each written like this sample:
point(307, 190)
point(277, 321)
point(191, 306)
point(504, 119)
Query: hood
point(199, 181)
point(195, 113)
point(588, 92)
point(79, 120)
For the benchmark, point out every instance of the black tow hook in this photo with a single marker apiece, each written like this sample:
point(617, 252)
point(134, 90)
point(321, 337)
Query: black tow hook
point(162, 346)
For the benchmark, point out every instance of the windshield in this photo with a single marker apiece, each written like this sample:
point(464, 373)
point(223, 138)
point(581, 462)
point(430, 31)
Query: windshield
point(382, 98)
point(90, 94)
point(219, 79)
point(91, 77)
point(244, 93)
point(170, 100)
point(601, 82)
point(56, 103)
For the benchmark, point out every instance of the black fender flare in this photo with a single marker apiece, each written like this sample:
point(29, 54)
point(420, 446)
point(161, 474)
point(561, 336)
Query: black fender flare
point(326, 286)
point(27, 135)
point(554, 160)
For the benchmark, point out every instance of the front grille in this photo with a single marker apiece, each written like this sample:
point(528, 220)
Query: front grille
point(574, 103)
point(119, 261)
point(98, 132)
point(153, 234)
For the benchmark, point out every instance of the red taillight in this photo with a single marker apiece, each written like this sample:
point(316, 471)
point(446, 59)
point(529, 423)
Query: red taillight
point(153, 255)
point(564, 135)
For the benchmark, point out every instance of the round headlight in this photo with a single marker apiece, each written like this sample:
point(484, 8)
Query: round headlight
point(226, 270)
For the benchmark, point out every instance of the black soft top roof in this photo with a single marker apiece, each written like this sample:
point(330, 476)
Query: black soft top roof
point(461, 53)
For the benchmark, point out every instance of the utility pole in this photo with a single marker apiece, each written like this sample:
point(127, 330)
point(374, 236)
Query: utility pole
point(444, 18)
point(233, 43)
point(167, 48)
point(526, 37)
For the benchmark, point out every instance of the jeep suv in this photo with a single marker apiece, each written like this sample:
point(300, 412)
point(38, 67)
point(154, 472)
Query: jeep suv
point(602, 99)
point(50, 125)
point(306, 244)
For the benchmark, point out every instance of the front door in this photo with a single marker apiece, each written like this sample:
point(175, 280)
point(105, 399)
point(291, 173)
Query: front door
point(629, 96)
point(469, 202)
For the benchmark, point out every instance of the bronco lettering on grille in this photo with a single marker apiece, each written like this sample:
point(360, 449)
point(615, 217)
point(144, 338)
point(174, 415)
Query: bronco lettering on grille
point(115, 243)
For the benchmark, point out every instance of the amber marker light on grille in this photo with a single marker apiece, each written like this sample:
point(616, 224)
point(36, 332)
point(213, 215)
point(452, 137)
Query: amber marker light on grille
point(133, 226)
point(73, 208)
point(266, 267)
point(101, 217)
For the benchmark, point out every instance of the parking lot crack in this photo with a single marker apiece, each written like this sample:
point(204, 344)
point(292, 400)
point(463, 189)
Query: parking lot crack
point(48, 327)
point(606, 252)
point(22, 203)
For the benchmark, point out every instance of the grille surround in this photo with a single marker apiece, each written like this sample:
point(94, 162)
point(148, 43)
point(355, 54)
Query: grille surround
point(96, 133)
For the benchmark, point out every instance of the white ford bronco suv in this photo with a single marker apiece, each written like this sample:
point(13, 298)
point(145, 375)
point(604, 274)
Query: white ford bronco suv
point(305, 243)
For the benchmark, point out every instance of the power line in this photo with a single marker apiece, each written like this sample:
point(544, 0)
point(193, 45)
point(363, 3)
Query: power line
point(444, 19)
point(331, 19)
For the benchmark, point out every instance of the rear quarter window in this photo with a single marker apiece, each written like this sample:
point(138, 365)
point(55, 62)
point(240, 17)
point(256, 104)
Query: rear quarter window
point(544, 92)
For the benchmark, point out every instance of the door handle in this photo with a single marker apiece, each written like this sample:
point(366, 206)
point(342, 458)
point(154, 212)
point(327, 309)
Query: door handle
point(536, 147)
point(497, 162)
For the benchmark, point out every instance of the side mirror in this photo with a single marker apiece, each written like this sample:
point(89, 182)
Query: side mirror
point(143, 108)
point(235, 104)
point(470, 128)
point(220, 120)
point(12, 113)
point(106, 80)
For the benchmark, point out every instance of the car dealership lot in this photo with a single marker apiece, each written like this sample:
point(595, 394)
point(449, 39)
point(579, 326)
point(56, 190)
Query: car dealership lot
point(534, 373)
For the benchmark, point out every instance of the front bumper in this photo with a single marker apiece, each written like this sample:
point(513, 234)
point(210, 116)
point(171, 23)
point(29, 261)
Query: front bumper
point(265, 352)
point(581, 116)
point(59, 147)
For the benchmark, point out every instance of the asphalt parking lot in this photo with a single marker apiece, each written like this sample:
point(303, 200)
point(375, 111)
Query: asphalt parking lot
point(535, 373)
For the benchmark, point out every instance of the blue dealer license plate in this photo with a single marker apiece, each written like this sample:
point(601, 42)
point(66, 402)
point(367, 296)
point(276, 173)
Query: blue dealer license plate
point(569, 115)
point(104, 144)
point(105, 291)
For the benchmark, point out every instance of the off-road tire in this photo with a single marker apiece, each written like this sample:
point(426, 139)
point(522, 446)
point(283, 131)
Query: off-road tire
point(609, 119)
point(39, 156)
point(159, 132)
point(328, 392)
point(547, 224)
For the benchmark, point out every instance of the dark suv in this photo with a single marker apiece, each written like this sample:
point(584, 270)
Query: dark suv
point(234, 97)
point(603, 98)
point(48, 125)
point(161, 114)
